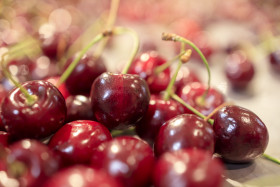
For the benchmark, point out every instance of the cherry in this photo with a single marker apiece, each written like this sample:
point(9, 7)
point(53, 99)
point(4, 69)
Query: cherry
point(76, 141)
point(79, 108)
point(81, 176)
point(274, 59)
point(184, 131)
point(159, 111)
point(240, 134)
point(40, 116)
point(145, 66)
point(239, 69)
point(119, 100)
point(82, 77)
point(193, 94)
point(184, 77)
point(188, 167)
point(62, 87)
point(31, 162)
point(128, 159)
point(3, 139)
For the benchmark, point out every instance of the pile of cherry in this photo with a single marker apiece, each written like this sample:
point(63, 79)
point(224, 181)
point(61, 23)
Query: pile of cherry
point(164, 130)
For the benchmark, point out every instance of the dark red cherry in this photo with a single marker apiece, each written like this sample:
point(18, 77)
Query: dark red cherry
point(158, 113)
point(37, 120)
point(82, 77)
point(240, 134)
point(81, 176)
point(184, 77)
point(31, 162)
point(193, 95)
point(76, 141)
point(145, 66)
point(79, 108)
point(119, 100)
point(62, 88)
point(239, 69)
point(3, 139)
point(274, 59)
point(182, 132)
point(128, 159)
point(188, 167)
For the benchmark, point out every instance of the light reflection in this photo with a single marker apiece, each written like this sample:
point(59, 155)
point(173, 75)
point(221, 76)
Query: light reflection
point(114, 149)
point(180, 167)
point(26, 144)
point(76, 180)
point(118, 166)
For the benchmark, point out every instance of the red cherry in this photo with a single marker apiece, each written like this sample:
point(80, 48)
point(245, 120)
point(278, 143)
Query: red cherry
point(119, 100)
point(192, 94)
point(239, 69)
point(274, 59)
point(184, 131)
point(158, 113)
point(145, 66)
point(184, 77)
point(189, 167)
point(34, 162)
point(38, 120)
point(3, 139)
point(82, 77)
point(81, 176)
point(76, 141)
point(79, 108)
point(240, 134)
point(128, 159)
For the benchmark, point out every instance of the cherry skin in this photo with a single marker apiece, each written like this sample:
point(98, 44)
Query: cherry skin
point(145, 65)
point(4, 136)
point(184, 77)
point(31, 162)
point(128, 159)
point(158, 113)
point(37, 120)
point(82, 77)
point(188, 167)
point(239, 70)
point(119, 100)
point(79, 108)
point(62, 88)
point(182, 132)
point(274, 59)
point(192, 94)
point(81, 176)
point(240, 134)
point(76, 141)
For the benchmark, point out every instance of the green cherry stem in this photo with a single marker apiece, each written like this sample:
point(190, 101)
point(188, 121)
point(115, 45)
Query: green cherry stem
point(176, 38)
point(271, 158)
point(30, 99)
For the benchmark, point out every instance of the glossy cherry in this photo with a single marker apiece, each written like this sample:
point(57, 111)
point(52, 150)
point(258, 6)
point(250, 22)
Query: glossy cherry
point(31, 162)
point(81, 176)
point(193, 95)
point(240, 134)
point(82, 77)
point(239, 69)
point(184, 77)
point(188, 167)
point(119, 100)
point(37, 120)
point(128, 159)
point(79, 108)
point(274, 59)
point(182, 132)
point(76, 141)
point(62, 88)
point(4, 137)
point(158, 113)
point(145, 66)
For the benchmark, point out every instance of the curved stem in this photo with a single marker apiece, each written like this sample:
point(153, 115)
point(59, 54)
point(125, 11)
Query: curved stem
point(176, 38)
point(29, 98)
point(74, 63)
point(178, 99)
point(277, 161)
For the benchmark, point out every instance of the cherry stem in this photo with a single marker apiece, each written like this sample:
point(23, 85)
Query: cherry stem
point(110, 23)
point(30, 99)
point(217, 109)
point(277, 161)
point(162, 67)
point(176, 38)
point(128, 131)
point(178, 99)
